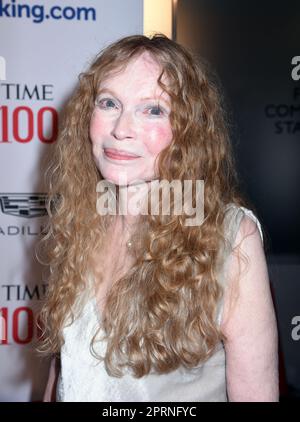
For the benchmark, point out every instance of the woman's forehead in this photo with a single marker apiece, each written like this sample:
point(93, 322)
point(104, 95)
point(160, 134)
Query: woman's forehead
point(141, 68)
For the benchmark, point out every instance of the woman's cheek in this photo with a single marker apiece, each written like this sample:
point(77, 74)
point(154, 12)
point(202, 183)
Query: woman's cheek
point(158, 138)
point(97, 127)
point(92, 128)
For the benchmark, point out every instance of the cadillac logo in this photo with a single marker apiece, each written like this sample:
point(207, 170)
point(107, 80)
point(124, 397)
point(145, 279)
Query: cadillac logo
point(26, 205)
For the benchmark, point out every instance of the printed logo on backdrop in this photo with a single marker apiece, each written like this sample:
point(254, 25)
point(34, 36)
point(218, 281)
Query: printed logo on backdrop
point(286, 116)
point(23, 123)
point(26, 205)
point(19, 325)
point(39, 13)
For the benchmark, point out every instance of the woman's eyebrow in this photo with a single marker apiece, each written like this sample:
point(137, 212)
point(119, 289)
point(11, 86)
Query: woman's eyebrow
point(106, 90)
point(159, 97)
point(155, 98)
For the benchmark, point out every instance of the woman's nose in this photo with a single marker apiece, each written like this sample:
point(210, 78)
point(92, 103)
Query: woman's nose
point(124, 126)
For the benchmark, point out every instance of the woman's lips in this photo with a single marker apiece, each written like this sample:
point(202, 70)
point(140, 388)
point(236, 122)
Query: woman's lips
point(119, 155)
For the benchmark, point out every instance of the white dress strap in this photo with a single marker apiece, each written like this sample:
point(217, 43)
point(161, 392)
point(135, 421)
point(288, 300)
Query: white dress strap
point(250, 214)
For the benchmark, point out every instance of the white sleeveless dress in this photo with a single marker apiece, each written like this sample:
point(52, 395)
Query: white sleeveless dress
point(83, 378)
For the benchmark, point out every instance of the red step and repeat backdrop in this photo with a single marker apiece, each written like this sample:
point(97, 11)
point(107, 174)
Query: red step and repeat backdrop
point(44, 45)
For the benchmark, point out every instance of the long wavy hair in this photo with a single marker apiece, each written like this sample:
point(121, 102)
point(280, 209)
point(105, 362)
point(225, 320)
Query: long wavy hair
point(162, 313)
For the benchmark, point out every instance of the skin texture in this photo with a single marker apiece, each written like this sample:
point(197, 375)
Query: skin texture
point(122, 120)
point(250, 325)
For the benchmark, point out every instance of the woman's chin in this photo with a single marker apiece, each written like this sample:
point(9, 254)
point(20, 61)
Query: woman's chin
point(124, 178)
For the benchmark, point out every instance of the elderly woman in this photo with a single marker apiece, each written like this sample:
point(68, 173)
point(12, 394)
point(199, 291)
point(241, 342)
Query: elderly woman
point(143, 306)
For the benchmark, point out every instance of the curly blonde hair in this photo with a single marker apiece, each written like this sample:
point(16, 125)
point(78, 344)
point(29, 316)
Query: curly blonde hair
point(162, 313)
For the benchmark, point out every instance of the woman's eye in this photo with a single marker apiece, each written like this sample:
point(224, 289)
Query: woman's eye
point(155, 111)
point(106, 103)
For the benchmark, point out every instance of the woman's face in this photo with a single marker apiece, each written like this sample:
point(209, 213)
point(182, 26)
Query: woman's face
point(130, 124)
